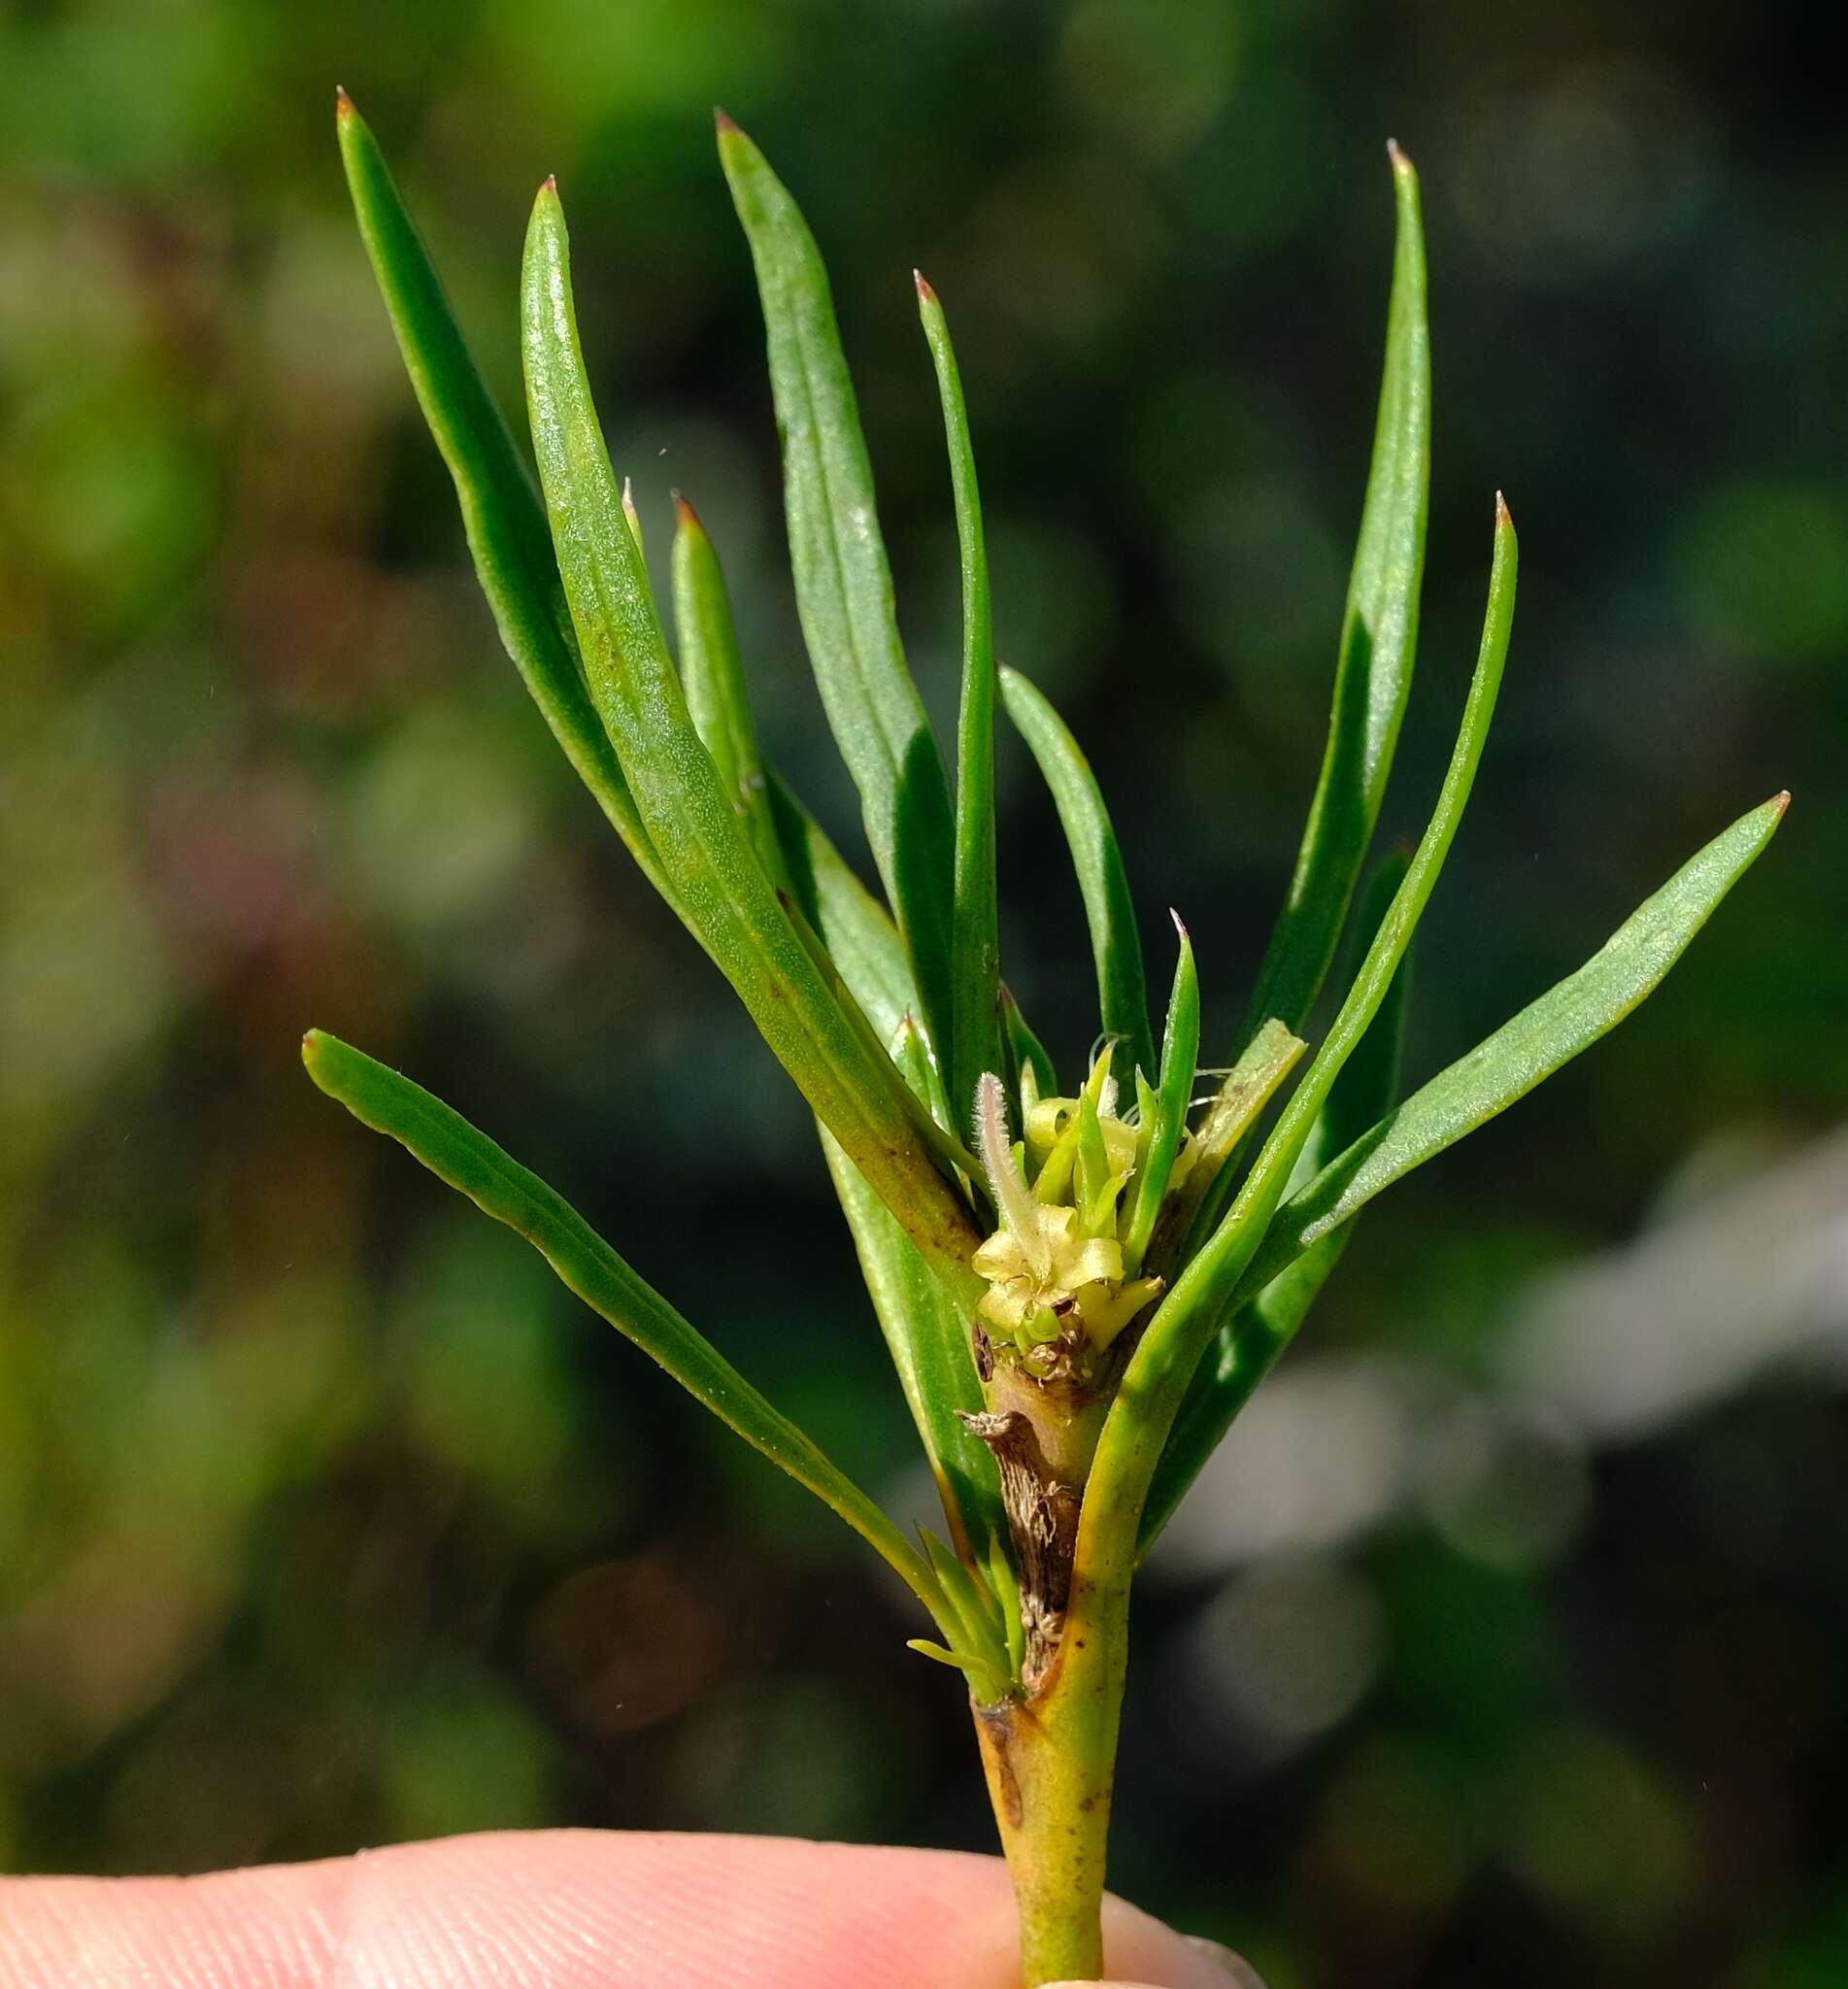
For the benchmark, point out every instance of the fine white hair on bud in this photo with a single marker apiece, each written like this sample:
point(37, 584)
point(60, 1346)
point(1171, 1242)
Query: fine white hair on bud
point(1012, 1196)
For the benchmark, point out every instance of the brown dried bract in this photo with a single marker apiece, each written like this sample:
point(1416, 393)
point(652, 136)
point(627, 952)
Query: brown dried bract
point(1042, 1516)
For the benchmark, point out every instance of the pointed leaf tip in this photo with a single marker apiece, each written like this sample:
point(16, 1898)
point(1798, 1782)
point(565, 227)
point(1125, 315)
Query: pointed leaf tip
point(725, 121)
point(844, 587)
point(1400, 158)
point(1781, 800)
point(690, 518)
point(926, 293)
point(1503, 516)
point(1375, 656)
point(343, 105)
point(1180, 923)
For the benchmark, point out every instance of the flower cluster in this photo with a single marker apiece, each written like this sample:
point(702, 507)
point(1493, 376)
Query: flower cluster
point(1064, 1269)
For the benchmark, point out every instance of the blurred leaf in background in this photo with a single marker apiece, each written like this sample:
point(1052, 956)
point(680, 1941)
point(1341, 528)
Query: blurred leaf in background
point(1507, 1644)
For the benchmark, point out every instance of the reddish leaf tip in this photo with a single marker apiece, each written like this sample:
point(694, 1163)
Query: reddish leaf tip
point(550, 184)
point(925, 294)
point(687, 515)
point(343, 105)
point(1503, 516)
point(1781, 800)
point(724, 120)
point(1401, 162)
point(1180, 923)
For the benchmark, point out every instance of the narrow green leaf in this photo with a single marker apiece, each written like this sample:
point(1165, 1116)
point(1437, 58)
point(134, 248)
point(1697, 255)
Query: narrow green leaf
point(1193, 1211)
point(1524, 1052)
point(1116, 945)
point(938, 1653)
point(984, 1685)
point(926, 1332)
point(929, 1340)
point(470, 1161)
point(977, 1609)
point(951, 1155)
point(1007, 1592)
point(975, 990)
point(1368, 1084)
point(857, 929)
point(1222, 1381)
point(727, 900)
point(1185, 1324)
point(501, 512)
point(1312, 1228)
point(843, 585)
point(1379, 966)
point(712, 670)
point(1180, 1054)
point(1095, 1179)
point(1379, 635)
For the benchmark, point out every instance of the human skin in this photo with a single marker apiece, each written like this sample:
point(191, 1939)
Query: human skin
point(563, 1910)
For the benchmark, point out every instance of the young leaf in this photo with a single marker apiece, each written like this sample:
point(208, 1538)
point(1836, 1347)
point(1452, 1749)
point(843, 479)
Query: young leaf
point(501, 512)
point(1379, 634)
point(843, 585)
point(1007, 1592)
point(712, 674)
point(975, 989)
point(1180, 1052)
point(1185, 1322)
point(729, 902)
point(470, 1161)
point(978, 1633)
point(1116, 945)
point(1367, 1087)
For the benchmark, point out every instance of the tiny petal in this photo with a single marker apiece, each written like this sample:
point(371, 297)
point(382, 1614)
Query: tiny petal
point(1047, 1121)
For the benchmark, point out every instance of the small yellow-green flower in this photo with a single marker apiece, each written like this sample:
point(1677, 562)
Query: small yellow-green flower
point(1054, 1271)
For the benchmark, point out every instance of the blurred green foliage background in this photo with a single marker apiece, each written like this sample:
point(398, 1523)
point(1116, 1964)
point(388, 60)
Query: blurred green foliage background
point(1509, 1644)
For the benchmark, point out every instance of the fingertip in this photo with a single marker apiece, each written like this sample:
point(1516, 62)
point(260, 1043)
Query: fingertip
point(1150, 1955)
point(515, 1911)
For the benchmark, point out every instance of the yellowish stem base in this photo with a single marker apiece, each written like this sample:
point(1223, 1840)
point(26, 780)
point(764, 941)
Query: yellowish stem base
point(1049, 1762)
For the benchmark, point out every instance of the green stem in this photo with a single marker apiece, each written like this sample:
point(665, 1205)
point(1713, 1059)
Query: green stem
point(1051, 1762)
